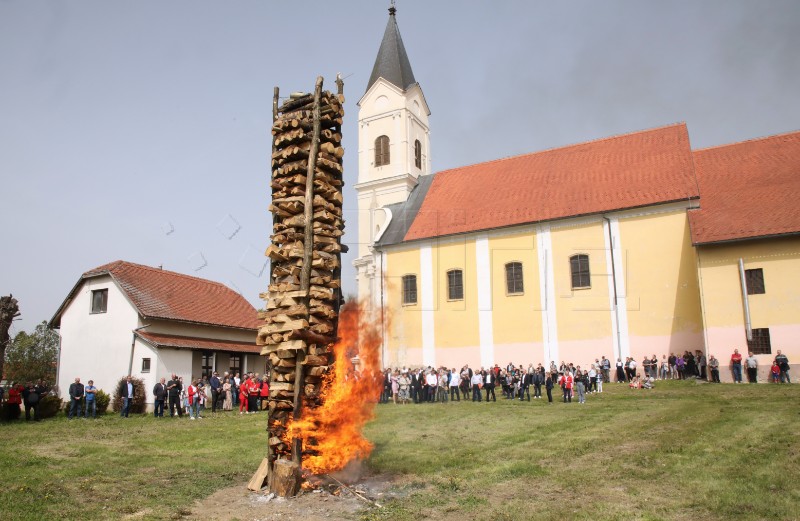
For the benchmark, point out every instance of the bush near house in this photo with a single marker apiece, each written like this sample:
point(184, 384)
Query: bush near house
point(139, 397)
point(49, 406)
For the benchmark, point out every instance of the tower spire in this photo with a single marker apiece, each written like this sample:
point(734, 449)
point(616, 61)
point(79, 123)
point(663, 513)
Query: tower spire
point(392, 62)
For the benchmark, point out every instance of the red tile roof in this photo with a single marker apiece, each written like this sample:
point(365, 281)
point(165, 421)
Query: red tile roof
point(163, 294)
point(204, 344)
point(748, 190)
point(627, 171)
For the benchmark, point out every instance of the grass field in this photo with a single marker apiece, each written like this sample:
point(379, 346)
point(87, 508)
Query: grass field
point(681, 451)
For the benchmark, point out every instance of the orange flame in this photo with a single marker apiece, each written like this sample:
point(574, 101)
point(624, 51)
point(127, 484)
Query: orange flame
point(332, 431)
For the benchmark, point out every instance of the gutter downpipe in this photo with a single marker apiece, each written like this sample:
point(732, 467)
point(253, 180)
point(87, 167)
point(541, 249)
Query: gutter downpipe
point(133, 344)
point(747, 325)
point(614, 282)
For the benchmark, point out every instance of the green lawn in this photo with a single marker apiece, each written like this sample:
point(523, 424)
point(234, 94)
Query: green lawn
point(681, 451)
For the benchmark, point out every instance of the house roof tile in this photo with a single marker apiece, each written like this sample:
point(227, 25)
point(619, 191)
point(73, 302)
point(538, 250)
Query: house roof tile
point(748, 190)
point(168, 295)
point(204, 344)
point(628, 171)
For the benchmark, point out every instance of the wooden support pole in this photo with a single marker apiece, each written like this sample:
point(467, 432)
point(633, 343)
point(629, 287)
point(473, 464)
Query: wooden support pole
point(305, 273)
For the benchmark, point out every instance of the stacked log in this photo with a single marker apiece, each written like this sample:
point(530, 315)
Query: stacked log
point(303, 298)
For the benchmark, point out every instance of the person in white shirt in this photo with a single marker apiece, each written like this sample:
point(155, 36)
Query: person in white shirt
point(455, 379)
point(432, 381)
point(477, 383)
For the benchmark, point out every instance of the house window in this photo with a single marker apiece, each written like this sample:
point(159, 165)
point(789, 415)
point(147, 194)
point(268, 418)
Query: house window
point(755, 281)
point(382, 151)
point(145, 365)
point(579, 268)
point(760, 344)
point(514, 278)
point(409, 289)
point(455, 285)
point(418, 154)
point(236, 364)
point(207, 364)
point(99, 300)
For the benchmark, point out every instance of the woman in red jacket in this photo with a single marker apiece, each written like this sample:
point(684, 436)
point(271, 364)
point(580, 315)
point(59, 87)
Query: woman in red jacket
point(264, 392)
point(13, 410)
point(244, 390)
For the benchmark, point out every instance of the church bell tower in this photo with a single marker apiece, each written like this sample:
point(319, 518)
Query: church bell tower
point(393, 149)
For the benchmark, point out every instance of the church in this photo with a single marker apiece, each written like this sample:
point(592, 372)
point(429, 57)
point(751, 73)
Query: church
point(632, 245)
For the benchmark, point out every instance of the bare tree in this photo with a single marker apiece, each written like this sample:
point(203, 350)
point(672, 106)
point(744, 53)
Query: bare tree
point(9, 310)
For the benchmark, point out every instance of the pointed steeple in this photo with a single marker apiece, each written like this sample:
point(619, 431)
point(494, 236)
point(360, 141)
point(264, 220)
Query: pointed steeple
point(392, 62)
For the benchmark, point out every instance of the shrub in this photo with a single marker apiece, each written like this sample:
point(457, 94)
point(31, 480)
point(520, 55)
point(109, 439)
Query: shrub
point(139, 396)
point(49, 406)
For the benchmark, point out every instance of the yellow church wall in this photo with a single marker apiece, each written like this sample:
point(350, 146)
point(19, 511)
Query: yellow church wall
point(403, 321)
point(455, 321)
point(663, 294)
point(777, 309)
point(516, 318)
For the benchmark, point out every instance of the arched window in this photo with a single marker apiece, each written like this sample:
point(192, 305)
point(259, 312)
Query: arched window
point(418, 154)
point(514, 278)
point(455, 285)
point(579, 268)
point(409, 289)
point(382, 151)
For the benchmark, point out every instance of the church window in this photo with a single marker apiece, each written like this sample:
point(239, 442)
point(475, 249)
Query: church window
point(514, 278)
point(455, 285)
point(579, 268)
point(754, 279)
point(760, 344)
point(236, 364)
point(382, 151)
point(409, 289)
point(99, 300)
point(145, 365)
point(418, 154)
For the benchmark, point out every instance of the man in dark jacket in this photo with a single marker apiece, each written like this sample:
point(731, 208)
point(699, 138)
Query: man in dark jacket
point(174, 388)
point(30, 397)
point(75, 397)
point(127, 391)
point(159, 396)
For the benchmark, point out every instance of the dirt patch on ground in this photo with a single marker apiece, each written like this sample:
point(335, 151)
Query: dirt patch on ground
point(329, 501)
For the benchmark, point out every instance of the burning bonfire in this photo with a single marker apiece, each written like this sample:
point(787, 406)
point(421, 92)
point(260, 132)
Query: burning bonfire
point(318, 400)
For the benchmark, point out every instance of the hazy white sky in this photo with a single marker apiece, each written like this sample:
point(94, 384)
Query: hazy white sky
point(140, 130)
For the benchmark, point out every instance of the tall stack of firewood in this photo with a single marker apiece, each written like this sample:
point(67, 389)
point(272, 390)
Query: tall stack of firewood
point(303, 299)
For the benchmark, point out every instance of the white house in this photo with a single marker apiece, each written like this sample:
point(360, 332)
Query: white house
point(124, 318)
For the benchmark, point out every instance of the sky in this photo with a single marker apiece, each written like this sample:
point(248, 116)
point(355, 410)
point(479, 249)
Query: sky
point(140, 130)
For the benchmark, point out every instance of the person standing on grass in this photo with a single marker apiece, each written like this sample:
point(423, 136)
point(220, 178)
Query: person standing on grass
point(580, 384)
point(664, 367)
point(566, 381)
point(620, 371)
point(403, 387)
point(548, 386)
point(454, 380)
point(680, 366)
point(30, 397)
point(605, 365)
point(243, 393)
point(701, 364)
point(783, 363)
point(673, 368)
point(75, 397)
point(159, 397)
point(736, 365)
point(527, 381)
point(216, 385)
point(263, 394)
point(254, 390)
point(477, 384)
point(713, 365)
point(227, 403)
point(174, 389)
point(752, 368)
point(488, 383)
point(91, 399)
point(592, 379)
point(126, 391)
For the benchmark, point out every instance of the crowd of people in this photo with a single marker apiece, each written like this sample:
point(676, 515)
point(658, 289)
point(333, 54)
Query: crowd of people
point(425, 385)
point(402, 385)
point(27, 395)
